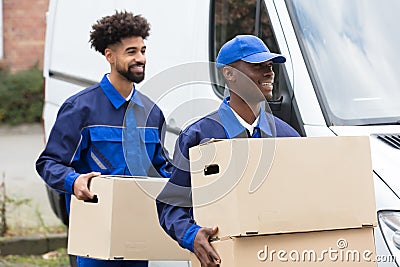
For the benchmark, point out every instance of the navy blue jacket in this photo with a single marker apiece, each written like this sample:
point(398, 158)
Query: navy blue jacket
point(89, 133)
point(174, 204)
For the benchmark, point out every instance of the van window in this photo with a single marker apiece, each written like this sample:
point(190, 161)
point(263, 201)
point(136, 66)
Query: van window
point(351, 51)
point(233, 17)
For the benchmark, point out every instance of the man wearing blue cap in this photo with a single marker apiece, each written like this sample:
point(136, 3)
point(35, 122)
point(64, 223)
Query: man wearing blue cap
point(246, 64)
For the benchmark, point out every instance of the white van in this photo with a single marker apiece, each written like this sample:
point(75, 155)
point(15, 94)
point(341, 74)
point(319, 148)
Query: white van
point(340, 77)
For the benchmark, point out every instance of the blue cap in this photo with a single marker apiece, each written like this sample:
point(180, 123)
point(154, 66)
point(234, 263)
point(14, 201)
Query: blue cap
point(248, 48)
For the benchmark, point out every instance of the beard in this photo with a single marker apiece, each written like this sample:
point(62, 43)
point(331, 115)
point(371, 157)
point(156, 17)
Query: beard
point(129, 75)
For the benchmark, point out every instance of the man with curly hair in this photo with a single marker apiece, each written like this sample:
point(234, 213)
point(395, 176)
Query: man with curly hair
point(90, 136)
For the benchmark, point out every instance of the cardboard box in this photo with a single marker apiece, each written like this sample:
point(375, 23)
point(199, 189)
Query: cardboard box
point(351, 247)
point(123, 224)
point(283, 185)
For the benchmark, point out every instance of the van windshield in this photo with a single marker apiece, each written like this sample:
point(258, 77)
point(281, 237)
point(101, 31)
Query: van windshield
point(352, 51)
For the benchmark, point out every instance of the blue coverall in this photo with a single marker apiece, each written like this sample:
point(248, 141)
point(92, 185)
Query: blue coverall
point(88, 136)
point(174, 204)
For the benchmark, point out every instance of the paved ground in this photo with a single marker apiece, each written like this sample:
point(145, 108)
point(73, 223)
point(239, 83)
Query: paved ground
point(19, 148)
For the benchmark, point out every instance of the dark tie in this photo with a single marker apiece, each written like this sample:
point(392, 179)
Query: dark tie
point(256, 132)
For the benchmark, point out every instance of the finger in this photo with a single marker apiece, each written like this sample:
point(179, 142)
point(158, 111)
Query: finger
point(206, 251)
point(89, 194)
point(86, 190)
point(208, 231)
point(94, 174)
point(214, 230)
point(81, 188)
point(212, 254)
point(203, 257)
point(89, 177)
point(83, 194)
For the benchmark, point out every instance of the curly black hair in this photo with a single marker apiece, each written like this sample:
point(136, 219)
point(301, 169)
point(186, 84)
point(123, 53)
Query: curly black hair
point(110, 30)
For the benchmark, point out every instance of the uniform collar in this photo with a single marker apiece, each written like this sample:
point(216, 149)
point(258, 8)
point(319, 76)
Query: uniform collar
point(136, 98)
point(248, 126)
point(234, 128)
point(114, 96)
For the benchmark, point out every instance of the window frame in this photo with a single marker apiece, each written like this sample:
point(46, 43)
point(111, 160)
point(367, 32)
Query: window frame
point(212, 45)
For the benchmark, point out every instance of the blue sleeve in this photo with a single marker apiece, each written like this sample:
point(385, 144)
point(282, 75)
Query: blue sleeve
point(174, 203)
point(161, 162)
point(283, 129)
point(54, 163)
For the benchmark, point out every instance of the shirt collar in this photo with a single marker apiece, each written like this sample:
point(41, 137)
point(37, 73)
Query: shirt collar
point(128, 98)
point(114, 96)
point(244, 123)
point(233, 127)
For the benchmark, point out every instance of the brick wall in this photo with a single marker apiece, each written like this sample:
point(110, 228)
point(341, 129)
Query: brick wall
point(24, 23)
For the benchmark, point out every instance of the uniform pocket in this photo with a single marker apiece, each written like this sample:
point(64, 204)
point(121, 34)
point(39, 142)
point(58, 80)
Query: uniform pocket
point(106, 152)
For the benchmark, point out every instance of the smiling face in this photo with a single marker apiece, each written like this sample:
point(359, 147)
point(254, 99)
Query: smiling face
point(252, 81)
point(128, 58)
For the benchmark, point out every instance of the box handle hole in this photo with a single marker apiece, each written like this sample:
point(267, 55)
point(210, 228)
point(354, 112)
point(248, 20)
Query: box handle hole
point(95, 199)
point(211, 169)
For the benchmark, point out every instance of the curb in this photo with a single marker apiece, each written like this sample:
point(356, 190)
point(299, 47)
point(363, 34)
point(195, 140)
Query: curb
point(32, 245)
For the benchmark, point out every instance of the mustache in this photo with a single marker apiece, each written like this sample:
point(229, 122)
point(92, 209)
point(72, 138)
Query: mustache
point(136, 65)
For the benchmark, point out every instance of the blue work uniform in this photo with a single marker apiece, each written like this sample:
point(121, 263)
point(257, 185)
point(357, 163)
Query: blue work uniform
point(88, 136)
point(174, 204)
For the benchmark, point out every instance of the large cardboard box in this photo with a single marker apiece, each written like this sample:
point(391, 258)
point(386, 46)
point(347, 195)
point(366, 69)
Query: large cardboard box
point(123, 224)
point(350, 247)
point(283, 185)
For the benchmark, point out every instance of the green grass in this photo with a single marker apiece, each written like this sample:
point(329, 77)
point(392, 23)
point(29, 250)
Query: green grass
point(42, 230)
point(58, 258)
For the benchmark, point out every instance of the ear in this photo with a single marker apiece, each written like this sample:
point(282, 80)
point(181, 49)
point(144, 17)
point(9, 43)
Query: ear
point(228, 73)
point(109, 54)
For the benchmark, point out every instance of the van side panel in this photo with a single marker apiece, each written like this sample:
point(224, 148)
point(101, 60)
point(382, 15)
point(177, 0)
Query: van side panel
point(179, 34)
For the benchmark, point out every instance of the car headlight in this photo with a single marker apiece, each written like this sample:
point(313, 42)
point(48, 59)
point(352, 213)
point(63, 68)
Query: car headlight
point(389, 223)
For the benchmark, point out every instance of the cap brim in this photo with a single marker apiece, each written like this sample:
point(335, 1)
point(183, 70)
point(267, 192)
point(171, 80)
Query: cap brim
point(264, 56)
point(220, 65)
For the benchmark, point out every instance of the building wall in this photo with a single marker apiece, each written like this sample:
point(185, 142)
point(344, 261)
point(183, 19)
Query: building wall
point(24, 23)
